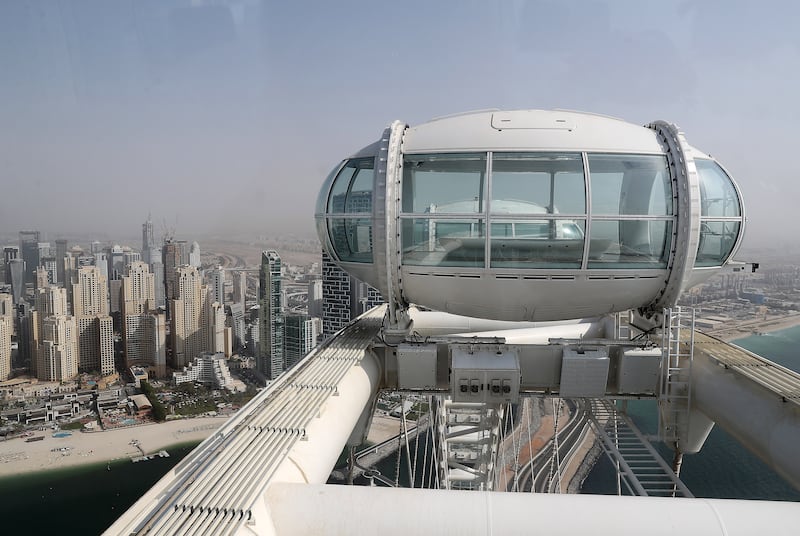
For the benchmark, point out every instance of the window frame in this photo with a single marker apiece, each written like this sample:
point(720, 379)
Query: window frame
point(582, 220)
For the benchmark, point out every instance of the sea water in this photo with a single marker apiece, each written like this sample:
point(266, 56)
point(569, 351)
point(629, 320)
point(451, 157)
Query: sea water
point(81, 500)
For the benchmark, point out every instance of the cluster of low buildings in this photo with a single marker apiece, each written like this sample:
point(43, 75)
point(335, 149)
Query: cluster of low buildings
point(744, 295)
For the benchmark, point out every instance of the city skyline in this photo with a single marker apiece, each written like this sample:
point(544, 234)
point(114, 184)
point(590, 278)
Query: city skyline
point(215, 103)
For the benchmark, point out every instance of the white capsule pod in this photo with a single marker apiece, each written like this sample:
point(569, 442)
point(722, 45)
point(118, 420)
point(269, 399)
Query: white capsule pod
point(531, 215)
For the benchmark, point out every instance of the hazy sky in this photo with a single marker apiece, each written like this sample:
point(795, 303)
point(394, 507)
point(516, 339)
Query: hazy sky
point(224, 117)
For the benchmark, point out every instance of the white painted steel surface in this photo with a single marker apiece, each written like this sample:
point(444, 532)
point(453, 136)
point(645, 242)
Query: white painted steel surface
point(399, 511)
point(292, 431)
point(432, 323)
point(474, 131)
point(753, 399)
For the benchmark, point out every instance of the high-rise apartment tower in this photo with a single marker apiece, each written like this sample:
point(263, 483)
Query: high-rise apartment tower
point(270, 316)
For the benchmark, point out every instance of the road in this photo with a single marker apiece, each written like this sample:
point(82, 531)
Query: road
point(540, 472)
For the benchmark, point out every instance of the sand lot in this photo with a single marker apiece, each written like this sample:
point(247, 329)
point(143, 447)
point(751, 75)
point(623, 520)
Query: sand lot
point(17, 456)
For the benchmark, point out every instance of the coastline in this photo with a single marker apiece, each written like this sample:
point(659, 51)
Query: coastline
point(740, 330)
point(91, 448)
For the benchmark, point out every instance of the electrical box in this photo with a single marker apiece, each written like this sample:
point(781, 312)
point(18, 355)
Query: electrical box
point(484, 375)
point(416, 366)
point(584, 372)
point(638, 371)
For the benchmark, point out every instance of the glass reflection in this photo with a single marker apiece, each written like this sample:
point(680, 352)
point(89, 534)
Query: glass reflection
point(440, 242)
point(629, 244)
point(352, 239)
point(535, 183)
point(449, 183)
point(717, 239)
point(630, 185)
point(717, 194)
point(537, 244)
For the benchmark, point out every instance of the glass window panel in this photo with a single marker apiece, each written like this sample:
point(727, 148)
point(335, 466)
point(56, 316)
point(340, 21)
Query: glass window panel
point(537, 244)
point(352, 239)
point(352, 188)
point(336, 201)
point(717, 239)
point(431, 242)
point(532, 229)
point(535, 183)
point(630, 185)
point(322, 198)
point(449, 183)
point(359, 198)
point(541, 229)
point(629, 244)
point(717, 193)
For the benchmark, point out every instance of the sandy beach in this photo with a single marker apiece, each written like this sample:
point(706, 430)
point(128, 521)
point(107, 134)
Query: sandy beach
point(385, 427)
point(79, 448)
point(739, 330)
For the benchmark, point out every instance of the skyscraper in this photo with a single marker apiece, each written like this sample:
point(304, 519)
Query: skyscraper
point(239, 287)
point(90, 292)
point(217, 282)
point(50, 266)
point(157, 269)
point(44, 250)
point(24, 327)
point(6, 304)
point(270, 316)
point(116, 262)
point(6, 329)
point(101, 261)
point(189, 317)
point(42, 278)
point(96, 344)
point(48, 301)
point(61, 252)
point(238, 324)
point(300, 338)
point(129, 256)
point(315, 298)
point(145, 341)
point(171, 259)
point(95, 327)
point(115, 296)
point(8, 317)
point(58, 349)
point(9, 253)
point(138, 289)
point(148, 241)
point(344, 297)
point(143, 328)
point(16, 271)
point(217, 328)
point(194, 255)
point(29, 251)
point(70, 266)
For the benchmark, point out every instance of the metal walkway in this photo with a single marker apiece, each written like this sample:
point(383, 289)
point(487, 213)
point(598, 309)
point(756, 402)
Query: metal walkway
point(640, 469)
point(777, 379)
